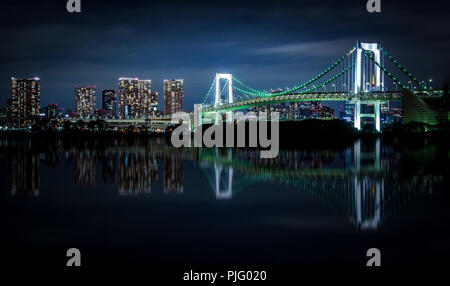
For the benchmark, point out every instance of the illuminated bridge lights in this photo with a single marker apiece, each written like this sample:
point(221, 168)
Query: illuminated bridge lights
point(403, 68)
point(323, 96)
point(249, 97)
point(265, 94)
point(384, 70)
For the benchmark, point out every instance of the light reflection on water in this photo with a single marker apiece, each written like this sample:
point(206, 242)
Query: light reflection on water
point(365, 182)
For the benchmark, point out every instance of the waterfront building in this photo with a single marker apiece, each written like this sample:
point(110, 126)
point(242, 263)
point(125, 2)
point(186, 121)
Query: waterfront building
point(134, 97)
point(173, 96)
point(25, 101)
point(85, 101)
point(51, 111)
point(109, 102)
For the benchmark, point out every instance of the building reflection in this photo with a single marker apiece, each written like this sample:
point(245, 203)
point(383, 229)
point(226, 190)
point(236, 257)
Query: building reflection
point(365, 182)
point(25, 171)
point(23, 160)
point(85, 162)
point(109, 168)
point(173, 173)
point(52, 153)
point(136, 173)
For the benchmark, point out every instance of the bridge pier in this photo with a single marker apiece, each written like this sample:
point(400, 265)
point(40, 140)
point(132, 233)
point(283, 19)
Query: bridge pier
point(377, 110)
point(376, 114)
point(357, 117)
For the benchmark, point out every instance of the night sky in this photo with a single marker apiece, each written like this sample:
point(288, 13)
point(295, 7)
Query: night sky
point(266, 44)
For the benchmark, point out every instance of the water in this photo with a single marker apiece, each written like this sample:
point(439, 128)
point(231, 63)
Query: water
point(140, 202)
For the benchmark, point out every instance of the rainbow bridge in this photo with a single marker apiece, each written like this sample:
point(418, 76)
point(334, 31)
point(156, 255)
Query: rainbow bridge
point(365, 75)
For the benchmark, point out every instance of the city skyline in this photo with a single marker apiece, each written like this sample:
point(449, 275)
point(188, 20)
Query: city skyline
point(234, 141)
point(196, 47)
point(365, 87)
point(142, 102)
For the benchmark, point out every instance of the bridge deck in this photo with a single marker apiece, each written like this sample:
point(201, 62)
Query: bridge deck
point(319, 96)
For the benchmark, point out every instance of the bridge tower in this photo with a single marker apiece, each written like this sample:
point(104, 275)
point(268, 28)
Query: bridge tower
point(217, 98)
point(368, 78)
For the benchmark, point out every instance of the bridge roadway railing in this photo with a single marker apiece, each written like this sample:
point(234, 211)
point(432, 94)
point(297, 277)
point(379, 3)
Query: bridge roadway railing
point(320, 96)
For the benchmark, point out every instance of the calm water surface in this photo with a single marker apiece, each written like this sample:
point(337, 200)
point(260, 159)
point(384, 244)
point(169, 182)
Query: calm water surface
point(137, 202)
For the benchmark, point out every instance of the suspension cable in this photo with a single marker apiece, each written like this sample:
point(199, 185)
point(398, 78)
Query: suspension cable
point(265, 94)
point(403, 69)
point(209, 91)
point(384, 69)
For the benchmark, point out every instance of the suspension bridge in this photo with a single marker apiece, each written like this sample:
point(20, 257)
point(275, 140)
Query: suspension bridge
point(366, 75)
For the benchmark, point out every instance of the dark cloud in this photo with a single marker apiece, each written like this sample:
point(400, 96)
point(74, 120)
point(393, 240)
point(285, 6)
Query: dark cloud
point(268, 44)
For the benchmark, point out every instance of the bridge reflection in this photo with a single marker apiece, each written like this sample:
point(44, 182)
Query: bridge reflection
point(364, 182)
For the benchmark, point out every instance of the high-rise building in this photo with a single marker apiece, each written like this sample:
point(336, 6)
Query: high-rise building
point(154, 101)
point(9, 109)
point(109, 102)
point(173, 96)
point(85, 101)
point(51, 111)
point(3, 117)
point(134, 97)
point(25, 104)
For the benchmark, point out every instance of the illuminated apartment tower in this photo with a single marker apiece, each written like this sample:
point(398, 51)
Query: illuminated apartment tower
point(25, 102)
point(154, 102)
point(109, 102)
point(173, 96)
point(85, 101)
point(135, 99)
point(51, 111)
